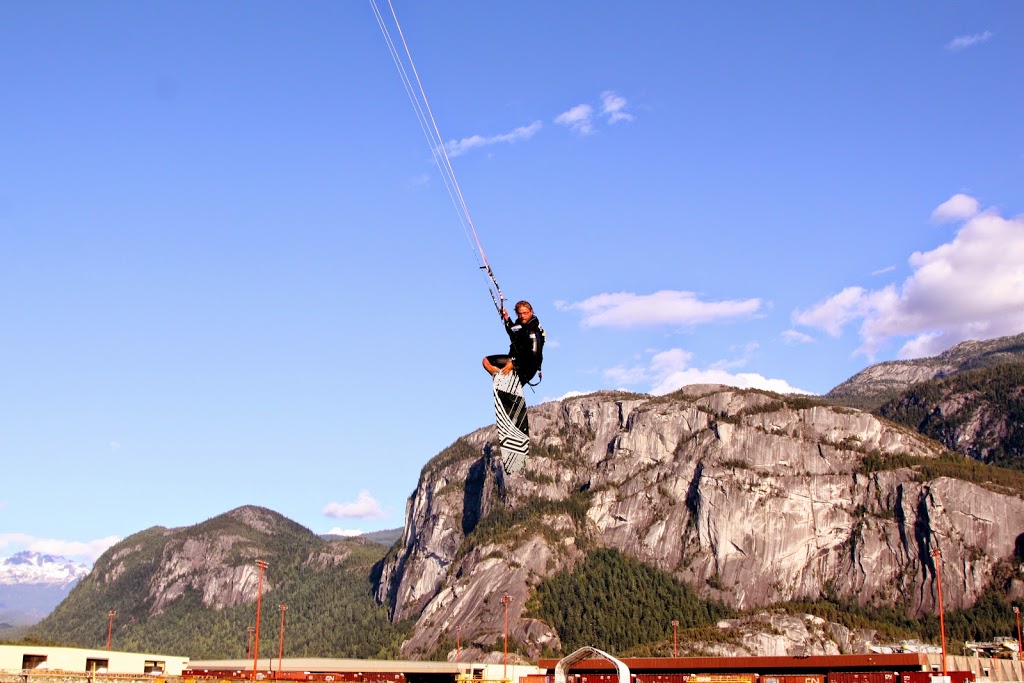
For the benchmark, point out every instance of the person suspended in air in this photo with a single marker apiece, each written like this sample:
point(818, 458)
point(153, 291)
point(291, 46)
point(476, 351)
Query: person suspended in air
point(526, 350)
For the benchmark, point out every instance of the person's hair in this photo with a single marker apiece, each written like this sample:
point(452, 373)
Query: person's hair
point(522, 303)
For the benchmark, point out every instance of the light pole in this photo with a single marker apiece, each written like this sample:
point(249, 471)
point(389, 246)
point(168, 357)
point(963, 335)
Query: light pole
point(458, 644)
point(1016, 611)
point(675, 638)
point(280, 648)
point(937, 554)
point(248, 649)
point(110, 626)
point(259, 601)
point(505, 599)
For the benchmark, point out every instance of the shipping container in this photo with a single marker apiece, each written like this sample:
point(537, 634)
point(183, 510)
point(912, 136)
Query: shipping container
point(930, 676)
point(721, 678)
point(793, 678)
point(661, 678)
point(863, 677)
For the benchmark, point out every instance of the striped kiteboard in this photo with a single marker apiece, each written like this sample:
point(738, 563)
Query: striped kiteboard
point(513, 428)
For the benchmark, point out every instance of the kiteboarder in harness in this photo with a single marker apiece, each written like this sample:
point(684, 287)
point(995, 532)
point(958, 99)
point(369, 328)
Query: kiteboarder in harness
point(526, 351)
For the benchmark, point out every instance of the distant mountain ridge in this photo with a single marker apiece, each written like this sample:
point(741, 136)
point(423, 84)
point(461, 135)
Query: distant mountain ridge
point(32, 584)
point(29, 567)
point(882, 382)
point(977, 413)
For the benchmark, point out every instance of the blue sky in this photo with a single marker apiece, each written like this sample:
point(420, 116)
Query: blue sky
point(230, 272)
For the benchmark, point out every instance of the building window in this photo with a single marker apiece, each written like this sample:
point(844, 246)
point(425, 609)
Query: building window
point(97, 666)
point(154, 667)
point(33, 661)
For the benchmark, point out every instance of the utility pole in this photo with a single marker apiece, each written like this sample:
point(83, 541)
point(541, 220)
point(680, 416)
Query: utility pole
point(110, 626)
point(675, 638)
point(1016, 612)
point(280, 649)
point(505, 600)
point(259, 601)
point(937, 554)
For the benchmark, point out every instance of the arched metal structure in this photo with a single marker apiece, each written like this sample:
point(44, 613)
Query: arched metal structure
point(564, 664)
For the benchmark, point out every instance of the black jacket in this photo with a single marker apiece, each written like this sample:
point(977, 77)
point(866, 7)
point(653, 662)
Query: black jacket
point(527, 347)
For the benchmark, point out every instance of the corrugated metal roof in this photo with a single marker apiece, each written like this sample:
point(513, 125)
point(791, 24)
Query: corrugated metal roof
point(905, 661)
point(326, 665)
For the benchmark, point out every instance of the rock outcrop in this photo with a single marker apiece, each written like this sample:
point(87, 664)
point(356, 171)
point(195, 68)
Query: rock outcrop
point(750, 497)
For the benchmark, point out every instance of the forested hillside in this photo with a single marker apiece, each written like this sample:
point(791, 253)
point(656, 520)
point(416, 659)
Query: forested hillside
point(978, 413)
point(192, 592)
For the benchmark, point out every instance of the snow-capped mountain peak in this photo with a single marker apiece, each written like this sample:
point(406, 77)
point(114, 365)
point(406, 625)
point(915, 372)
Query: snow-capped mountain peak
point(30, 567)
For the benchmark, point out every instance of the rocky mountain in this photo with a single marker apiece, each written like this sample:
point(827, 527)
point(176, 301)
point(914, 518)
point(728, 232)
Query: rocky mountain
point(879, 383)
point(750, 501)
point(30, 567)
point(386, 537)
point(193, 590)
point(751, 498)
point(977, 413)
point(32, 584)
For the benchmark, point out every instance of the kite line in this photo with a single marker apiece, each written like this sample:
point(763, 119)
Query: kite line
point(417, 95)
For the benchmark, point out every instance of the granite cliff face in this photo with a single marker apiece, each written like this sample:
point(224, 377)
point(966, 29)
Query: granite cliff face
point(750, 497)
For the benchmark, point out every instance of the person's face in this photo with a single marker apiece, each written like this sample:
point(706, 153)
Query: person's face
point(524, 314)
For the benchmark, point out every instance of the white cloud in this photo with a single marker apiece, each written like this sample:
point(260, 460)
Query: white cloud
point(959, 207)
point(577, 119)
point(667, 307)
point(964, 42)
point(364, 506)
point(883, 271)
point(338, 531)
point(796, 337)
point(612, 106)
point(15, 539)
point(971, 287)
point(568, 394)
point(86, 551)
point(458, 147)
point(667, 371)
point(840, 309)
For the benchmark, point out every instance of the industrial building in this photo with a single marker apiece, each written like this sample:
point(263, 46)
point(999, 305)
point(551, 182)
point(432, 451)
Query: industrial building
point(28, 658)
point(814, 669)
point(358, 670)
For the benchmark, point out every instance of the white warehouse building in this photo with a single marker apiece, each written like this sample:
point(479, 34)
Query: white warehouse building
point(18, 658)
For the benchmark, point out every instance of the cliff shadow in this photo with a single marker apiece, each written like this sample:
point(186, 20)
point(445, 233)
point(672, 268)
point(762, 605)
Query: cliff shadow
point(475, 493)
